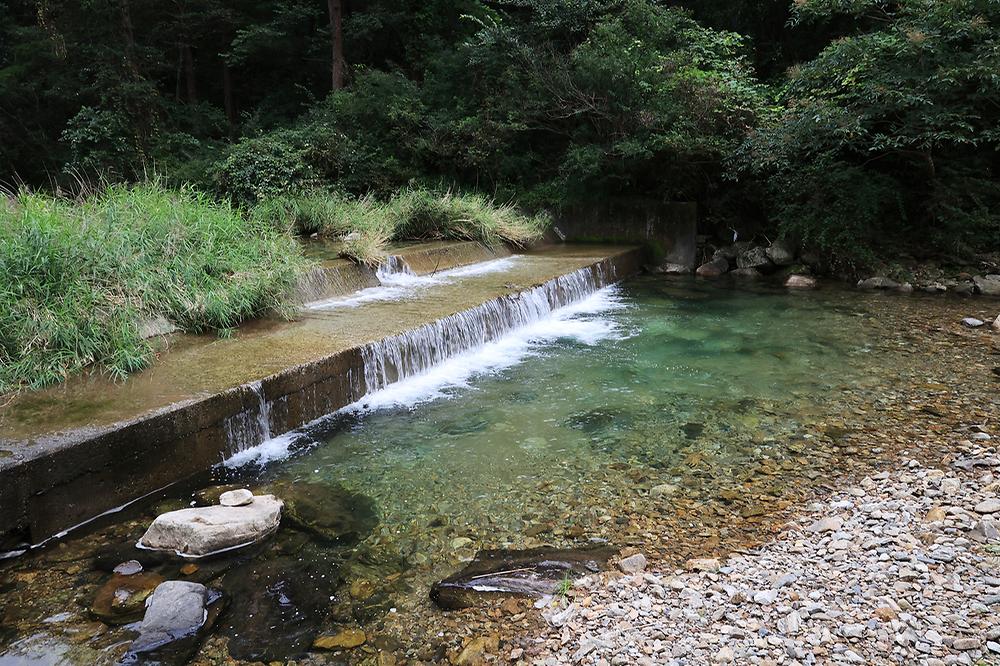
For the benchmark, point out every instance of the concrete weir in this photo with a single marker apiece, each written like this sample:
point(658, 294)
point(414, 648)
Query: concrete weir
point(73, 451)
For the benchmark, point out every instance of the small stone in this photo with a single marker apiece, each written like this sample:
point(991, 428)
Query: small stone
point(935, 515)
point(345, 639)
point(128, 568)
point(710, 565)
point(800, 282)
point(460, 542)
point(663, 490)
point(361, 589)
point(189, 569)
point(765, 597)
point(966, 644)
point(988, 506)
point(633, 564)
point(240, 497)
point(829, 524)
point(724, 656)
point(972, 322)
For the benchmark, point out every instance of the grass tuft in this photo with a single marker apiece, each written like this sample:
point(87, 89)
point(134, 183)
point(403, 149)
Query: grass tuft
point(367, 225)
point(78, 279)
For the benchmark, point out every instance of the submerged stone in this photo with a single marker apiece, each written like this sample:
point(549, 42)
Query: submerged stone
point(175, 610)
point(345, 639)
point(203, 531)
point(328, 511)
point(122, 599)
point(276, 606)
point(527, 573)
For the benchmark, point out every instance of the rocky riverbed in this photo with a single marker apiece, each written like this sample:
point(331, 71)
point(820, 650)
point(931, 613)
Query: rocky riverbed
point(901, 568)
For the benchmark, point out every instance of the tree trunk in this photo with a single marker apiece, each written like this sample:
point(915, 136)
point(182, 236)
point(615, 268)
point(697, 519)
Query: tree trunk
point(192, 88)
point(227, 96)
point(336, 9)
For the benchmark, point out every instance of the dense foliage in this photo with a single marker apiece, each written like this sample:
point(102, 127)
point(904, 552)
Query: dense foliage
point(862, 127)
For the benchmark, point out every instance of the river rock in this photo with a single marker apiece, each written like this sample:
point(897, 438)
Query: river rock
point(800, 282)
point(633, 563)
point(328, 511)
point(526, 573)
point(756, 258)
point(713, 268)
point(747, 273)
point(878, 282)
point(781, 252)
point(996, 324)
point(240, 497)
point(988, 506)
point(344, 639)
point(671, 268)
point(987, 285)
point(122, 599)
point(663, 490)
point(972, 322)
point(175, 610)
point(200, 531)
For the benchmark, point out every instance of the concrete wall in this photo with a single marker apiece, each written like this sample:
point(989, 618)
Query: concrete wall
point(669, 229)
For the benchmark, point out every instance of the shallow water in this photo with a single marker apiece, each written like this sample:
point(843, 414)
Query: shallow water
point(556, 434)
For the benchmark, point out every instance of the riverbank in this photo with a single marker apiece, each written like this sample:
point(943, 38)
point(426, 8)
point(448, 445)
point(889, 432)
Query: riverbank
point(900, 568)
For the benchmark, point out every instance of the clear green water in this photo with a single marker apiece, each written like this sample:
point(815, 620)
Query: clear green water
point(557, 435)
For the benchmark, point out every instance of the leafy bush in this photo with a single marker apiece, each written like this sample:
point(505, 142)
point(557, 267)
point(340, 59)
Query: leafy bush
point(890, 135)
point(77, 280)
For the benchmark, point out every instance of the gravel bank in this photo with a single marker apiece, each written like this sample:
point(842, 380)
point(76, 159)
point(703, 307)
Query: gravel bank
point(901, 569)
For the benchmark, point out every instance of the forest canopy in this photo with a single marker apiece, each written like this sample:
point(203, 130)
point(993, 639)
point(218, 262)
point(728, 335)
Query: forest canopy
point(860, 127)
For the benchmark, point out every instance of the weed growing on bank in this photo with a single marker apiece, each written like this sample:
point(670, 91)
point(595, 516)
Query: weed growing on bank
point(79, 278)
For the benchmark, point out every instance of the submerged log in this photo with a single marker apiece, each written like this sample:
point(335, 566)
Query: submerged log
point(524, 573)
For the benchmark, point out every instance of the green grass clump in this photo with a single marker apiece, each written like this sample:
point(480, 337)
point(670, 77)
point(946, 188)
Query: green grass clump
point(77, 279)
point(367, 225)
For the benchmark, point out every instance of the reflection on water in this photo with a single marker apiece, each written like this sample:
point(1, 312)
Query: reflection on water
point(656, 404)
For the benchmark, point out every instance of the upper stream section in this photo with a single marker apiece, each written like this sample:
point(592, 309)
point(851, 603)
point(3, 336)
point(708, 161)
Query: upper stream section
point(206, 397)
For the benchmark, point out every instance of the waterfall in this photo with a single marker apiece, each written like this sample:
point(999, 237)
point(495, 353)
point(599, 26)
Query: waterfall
point(249, 427)
point(417, 350)
point(394, 265)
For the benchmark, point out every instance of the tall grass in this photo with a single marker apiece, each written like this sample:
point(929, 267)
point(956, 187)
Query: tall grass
point(77, 279)
point(367, 225)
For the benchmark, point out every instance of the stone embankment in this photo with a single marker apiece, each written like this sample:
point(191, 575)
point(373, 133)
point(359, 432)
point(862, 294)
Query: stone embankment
point(899, 569)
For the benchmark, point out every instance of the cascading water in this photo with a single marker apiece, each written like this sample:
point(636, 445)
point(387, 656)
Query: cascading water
point(415, 351)
point(418, 351)
point(393, 266)
point(252, 426)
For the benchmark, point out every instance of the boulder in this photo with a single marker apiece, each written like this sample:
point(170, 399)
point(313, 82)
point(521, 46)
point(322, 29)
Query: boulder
point(713, 268)
point(987, 285)
point(175, 610)
point(747, 273)
point(756, 258)
point(201, 531)
point(727, 254)
point(526, 573)
point(800, 282)
point(781, 252)
point(878, 282)
point(996, 324)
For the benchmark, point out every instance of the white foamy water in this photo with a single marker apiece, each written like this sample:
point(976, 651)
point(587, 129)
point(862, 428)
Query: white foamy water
point(584, 321)
point(398, 282)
